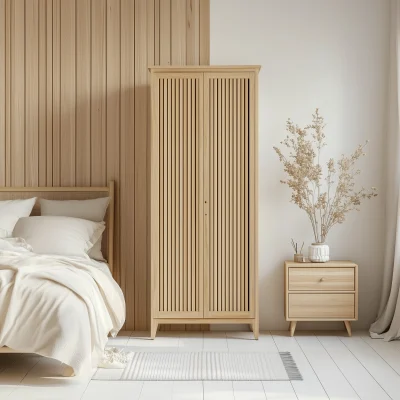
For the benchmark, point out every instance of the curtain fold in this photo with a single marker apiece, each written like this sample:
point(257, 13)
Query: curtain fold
point(387, 325)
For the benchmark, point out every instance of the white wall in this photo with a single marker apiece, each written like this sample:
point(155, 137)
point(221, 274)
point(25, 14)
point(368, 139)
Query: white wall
point(331, 54)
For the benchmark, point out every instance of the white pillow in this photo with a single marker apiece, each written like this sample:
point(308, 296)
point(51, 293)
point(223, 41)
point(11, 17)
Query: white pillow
point(11, 211)
point(59, 235)
point(92, 209)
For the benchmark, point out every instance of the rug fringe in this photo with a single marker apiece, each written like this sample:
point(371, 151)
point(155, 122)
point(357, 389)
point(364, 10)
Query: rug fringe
point(290, 366)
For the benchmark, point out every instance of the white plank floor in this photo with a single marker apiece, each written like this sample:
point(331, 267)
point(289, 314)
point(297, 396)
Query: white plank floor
point(333, 366)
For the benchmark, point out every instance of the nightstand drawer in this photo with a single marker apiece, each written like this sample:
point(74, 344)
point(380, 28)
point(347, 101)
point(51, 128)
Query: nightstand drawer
point(319, 278)
point(321, 305)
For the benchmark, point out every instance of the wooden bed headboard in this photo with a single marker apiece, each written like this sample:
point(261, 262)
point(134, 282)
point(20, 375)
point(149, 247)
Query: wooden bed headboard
point(71, 193)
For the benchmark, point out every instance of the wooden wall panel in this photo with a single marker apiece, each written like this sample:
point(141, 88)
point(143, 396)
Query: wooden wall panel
point(75, 105)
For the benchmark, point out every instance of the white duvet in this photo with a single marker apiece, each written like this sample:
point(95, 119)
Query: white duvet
point(58, 307)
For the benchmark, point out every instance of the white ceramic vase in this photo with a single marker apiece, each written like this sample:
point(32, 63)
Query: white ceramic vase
point(318, 252)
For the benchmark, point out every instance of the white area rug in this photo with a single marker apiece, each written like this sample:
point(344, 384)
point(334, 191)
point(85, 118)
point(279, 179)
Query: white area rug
point(210, 366)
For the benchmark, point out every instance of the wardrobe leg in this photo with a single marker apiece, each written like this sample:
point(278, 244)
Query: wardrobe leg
point(255, 328)
point(154, 326)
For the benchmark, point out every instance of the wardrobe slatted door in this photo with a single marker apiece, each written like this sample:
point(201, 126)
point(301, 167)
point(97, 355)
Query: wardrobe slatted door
point(228, 132)
point(177, 210)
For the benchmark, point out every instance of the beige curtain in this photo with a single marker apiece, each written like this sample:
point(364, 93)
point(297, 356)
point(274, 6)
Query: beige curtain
point(387, 325)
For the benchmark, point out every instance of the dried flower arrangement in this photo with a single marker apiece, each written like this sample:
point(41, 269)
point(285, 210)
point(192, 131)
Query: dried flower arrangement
point(325, 208)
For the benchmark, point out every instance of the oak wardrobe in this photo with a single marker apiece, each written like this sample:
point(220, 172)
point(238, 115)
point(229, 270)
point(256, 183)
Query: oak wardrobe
point(204, 266)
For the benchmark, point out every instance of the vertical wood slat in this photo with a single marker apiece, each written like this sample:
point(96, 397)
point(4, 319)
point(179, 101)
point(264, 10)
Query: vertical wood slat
point(178, 32)
point(49, 92)
point(246, 198)
point(170, 217)
point(68, 94)
point(161, 207)
point(173, 190)
point(219, 186)
point(3, 78)
point(127, 146)
point(98, 111)
point(166, 201)
point(83, 103)
point(56, 92)
point(42, 94)
point(221, 116)
point(227, 199)
point(205, 132)
point(141, 127)
point(191, 221)
point(193, 32)
point(234, 207)
point(253, 178)
point(231, 194)
point(194, 192)
point(150, 48)
point(215, 185)
point(155, 200)
point(185, 262)
point(7, 100)
point(165, 32)
point(242, 195)
point(211, 190)
point(199, 131)
point(17, 93)
point(31, 93)
point(177, 164)
point(181, 204)
point(238, 202)
point(204, 13)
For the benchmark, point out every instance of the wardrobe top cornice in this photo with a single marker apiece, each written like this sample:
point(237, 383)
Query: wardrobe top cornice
point(205, 68)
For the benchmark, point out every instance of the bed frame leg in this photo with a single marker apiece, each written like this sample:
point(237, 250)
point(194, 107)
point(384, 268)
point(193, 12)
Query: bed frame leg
point(154, 326)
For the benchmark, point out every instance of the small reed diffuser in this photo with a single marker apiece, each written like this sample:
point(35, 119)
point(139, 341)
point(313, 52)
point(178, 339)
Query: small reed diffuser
point(298, 255)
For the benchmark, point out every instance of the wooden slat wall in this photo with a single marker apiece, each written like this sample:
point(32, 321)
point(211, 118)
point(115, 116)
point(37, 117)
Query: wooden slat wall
point(74, 105)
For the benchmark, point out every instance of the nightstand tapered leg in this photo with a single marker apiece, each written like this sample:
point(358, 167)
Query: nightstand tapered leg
point(292, 327)
point(348, 327)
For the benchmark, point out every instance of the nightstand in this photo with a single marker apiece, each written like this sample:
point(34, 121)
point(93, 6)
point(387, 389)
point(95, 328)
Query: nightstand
point(321, 292)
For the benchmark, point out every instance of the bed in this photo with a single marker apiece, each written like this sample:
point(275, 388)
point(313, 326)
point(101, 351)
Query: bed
point(79, 301)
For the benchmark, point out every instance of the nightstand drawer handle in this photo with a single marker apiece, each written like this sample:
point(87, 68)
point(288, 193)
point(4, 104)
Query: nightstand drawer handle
point(322, 279)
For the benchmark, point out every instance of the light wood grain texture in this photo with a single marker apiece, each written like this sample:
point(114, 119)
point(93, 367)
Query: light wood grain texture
point(321, 278)
point(213, 272)
point(321, 305)
point(75, 110)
